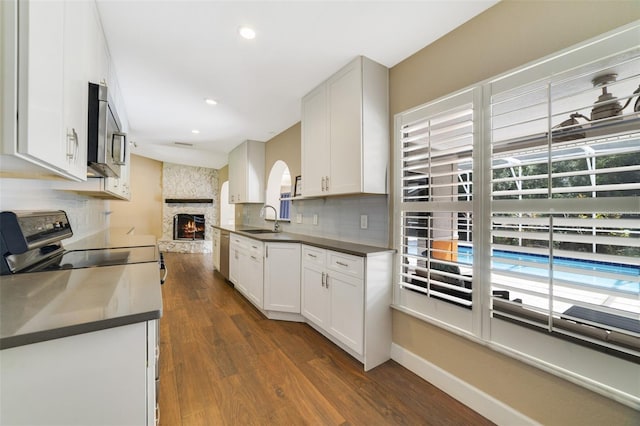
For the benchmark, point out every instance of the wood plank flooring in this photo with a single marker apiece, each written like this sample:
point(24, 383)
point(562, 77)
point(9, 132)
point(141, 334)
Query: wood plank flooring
point(223, 363)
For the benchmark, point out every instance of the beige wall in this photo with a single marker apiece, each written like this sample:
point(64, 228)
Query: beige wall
point(509, 34)
point(144, 211)
point(286, 147)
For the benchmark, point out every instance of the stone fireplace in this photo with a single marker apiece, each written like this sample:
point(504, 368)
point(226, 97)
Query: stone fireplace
point(189, 210)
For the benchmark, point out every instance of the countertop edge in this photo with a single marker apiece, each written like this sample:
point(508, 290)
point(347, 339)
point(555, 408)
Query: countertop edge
point(72, 330)
point(355, 249)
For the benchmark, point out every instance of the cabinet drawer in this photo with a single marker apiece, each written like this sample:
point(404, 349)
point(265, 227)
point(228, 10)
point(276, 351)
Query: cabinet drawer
point(255, 249)
point(238, 241)
point(352, 266)
point(313, 255)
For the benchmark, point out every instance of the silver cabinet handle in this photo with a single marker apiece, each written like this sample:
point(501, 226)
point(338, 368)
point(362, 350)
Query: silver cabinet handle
point(266, 252)
point(72, 144)
point(254, 258)
point(323, 183)
point(323, 279)
point(312, 255)
point(326, 281)
point(342, 264)
point(327, 183)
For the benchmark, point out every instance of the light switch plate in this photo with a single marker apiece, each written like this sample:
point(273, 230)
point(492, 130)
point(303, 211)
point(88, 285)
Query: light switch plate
point(315, 218)
point(364, 221)
point(299, 218)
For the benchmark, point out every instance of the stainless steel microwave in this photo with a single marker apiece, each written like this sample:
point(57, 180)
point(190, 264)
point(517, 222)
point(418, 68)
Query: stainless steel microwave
point(107, 144)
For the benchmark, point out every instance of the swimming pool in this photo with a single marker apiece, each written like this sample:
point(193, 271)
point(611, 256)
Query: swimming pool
point(629, 281)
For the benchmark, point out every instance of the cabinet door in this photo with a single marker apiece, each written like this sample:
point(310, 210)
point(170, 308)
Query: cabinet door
point(78, 380)
point(344, 93)
point(41, 83)
point(234, 259)
point(254, 169)
point(346, 306)
point(237, 172)
point(315, 297)
point(254, 279)
point(282, 277)
point(216, 249)
point(77, 50)
point(99, 62)
point(119, 186)
point(315, 144)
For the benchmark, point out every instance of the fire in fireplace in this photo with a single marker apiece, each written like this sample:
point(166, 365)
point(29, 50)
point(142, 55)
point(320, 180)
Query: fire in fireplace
point(188, 226)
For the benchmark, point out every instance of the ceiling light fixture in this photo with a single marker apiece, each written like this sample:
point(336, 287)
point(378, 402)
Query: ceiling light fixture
point(210, 101)
point(195, 132)
point(248, 33)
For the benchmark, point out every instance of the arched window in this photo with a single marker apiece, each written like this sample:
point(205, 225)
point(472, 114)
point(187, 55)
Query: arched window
point(227, 211)
point(278, 190)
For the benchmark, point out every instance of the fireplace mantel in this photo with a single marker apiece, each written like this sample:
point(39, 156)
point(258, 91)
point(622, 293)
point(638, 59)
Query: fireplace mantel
point(189, 200)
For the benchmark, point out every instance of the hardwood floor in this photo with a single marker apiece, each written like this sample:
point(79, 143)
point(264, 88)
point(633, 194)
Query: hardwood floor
point(222, 362)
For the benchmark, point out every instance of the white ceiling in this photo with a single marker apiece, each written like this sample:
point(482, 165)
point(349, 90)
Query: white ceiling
point(171, 55)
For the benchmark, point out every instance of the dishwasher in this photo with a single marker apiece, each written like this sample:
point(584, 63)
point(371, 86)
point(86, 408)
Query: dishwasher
point(224, 254)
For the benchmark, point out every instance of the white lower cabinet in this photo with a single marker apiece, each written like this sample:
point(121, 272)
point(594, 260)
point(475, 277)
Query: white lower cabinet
point(334, 300)
point(238, 261)
point(255, 274)
point(346, 309)
point(98, 378)
point(348, 299)
point(282, 277)
point(245, 267)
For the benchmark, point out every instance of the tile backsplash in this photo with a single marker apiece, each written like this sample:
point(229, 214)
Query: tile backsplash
point(338, 218)
point(87, 215)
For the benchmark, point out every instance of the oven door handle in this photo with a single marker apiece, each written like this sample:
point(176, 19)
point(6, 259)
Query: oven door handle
point(163, 267)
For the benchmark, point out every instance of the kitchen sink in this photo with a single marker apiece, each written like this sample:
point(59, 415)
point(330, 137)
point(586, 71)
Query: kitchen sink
point(259, 231)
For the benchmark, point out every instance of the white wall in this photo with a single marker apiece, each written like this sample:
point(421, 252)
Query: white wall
point(86, 215)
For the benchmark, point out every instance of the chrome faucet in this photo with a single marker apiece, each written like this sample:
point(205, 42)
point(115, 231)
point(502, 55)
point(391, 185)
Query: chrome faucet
point(276, 225)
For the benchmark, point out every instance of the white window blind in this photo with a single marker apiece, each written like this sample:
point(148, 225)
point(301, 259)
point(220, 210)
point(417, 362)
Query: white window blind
point(565, 185)
point(436, 202)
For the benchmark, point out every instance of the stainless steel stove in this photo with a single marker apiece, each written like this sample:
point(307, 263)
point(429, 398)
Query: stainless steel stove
point(31, 241)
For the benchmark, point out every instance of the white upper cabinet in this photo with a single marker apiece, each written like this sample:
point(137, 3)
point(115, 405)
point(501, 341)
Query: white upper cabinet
point(78, 24)
point(345, 132)
point(46, 62)
point(42, 138)
point(246, 173)
point(315, 143)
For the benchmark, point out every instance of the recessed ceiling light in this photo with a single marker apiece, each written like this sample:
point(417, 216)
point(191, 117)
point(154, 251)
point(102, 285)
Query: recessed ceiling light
point(195, 132)
point(248, 33)
point(210, 101)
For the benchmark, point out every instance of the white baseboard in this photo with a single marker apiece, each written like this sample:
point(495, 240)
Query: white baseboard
point(479, 401)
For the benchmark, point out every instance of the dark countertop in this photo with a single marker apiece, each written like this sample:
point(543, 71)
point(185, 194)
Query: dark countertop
point(111, 238)
point(325, 243)
point(41, 306)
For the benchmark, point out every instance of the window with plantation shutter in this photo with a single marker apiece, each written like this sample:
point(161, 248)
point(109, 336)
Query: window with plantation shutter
point(565, 217)
point(517, 213)
point(436, 203)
